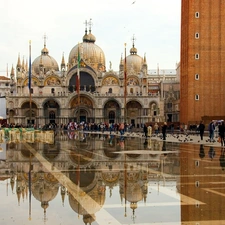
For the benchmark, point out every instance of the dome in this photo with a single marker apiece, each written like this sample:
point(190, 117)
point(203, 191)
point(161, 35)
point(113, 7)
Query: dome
point(134, 62)
point(44, 61)
point(90, 53)
point(134, 193)
point(87, 203)
point(45, 192)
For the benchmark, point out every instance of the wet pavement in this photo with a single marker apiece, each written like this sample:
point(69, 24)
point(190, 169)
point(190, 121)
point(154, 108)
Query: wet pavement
point(101, 179)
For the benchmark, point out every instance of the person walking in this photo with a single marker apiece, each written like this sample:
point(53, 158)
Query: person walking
point(201, 129)
point(156, 128)
point(149, 130)
point(211, 129)
point(164, 127)
point(221, 133)
point(121, 130)
point(145, 129)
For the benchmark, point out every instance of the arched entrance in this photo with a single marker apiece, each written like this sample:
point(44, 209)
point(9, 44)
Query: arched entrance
point(30, 112)
point(112, 112)
point(134, 114)
point(83, 111)
point(51, 111)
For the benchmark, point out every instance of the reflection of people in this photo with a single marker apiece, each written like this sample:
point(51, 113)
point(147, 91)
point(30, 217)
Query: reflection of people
point(164, 148)
point(222, 160)
point(111, 140)
point(211, 152)
point(164, 127)
point(121, 129)
point(149, 143)
point(121, 144)
point(201, 152)
point(145, 143)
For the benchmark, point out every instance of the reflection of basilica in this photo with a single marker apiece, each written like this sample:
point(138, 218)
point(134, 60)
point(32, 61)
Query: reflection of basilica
point(55, 94)
point(84, 167)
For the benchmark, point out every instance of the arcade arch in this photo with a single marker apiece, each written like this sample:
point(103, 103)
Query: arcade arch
point(112, 111)
point(83, 111)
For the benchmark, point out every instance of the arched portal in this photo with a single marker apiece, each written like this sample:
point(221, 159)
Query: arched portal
point(30, 112)
point(134, 114)
point(112, 112)
point(51, 111)
point(83, 111)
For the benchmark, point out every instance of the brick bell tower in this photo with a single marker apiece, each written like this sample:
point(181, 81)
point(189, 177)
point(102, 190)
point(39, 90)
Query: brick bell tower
point(202, 65)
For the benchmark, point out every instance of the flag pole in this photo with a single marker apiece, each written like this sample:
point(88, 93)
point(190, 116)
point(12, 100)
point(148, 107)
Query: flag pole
point(29, 81)
point(125, 87)
point(78, 83)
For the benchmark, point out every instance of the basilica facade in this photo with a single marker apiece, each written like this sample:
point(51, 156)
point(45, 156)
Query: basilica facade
point(129, 95)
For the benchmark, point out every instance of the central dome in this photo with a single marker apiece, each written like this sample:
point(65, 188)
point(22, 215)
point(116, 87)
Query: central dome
point(90, 53)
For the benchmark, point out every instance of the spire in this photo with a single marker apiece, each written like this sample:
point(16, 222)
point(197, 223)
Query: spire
point(90, 25)
point(121, 66)
point(63, 64)
point(63, 60)
point(145, 58)
point(18, 62)
point(86, 37)
point(26, 66)
point(133, 50)
point(12, 183)
point(12, 74)
point(121, 59)
point(44, 51)
point(63, 193)
point(90, 35)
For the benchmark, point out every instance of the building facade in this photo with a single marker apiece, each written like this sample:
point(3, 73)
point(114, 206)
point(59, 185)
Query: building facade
point(202, 65)
point(132, 95)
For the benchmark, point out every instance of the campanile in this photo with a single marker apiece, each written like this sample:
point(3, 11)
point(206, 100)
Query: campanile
point(202, 60)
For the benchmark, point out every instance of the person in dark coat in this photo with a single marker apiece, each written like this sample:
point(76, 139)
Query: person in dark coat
point(145, 129)
point(164, 128)
point(201, 129)
point(221, 133)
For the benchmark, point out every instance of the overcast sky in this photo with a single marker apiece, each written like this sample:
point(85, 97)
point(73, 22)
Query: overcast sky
point(155, 24)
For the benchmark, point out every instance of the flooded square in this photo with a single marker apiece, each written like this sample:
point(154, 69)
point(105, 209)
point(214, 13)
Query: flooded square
point(97, 178)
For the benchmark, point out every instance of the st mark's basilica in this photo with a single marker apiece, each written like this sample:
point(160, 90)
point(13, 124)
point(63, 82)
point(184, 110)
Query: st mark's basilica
point(131, 94)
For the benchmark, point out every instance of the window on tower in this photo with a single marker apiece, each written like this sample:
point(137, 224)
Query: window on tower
point(196, 56)
point(197, 97)
point(196, 14)
point(197, 35)
point(196, 76)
